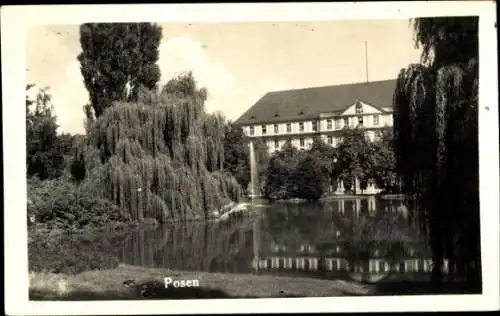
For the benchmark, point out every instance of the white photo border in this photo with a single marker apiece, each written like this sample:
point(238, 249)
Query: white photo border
point(16, 19)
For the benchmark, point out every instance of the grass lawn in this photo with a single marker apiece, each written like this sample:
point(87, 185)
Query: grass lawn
point(149, 284)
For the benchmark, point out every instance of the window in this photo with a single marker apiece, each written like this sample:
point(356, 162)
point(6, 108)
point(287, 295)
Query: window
point(251, 130)
point(288, 127)
point(375, 120)
point(360, 120)
point(276, 130)
point(315, 126)
point(346, 122)
point(276, 144)
point(359, 107)
point(264, 129)
point(301, 126)
point(328, 124)
point(301, 142)
point(330, 140)
point(337, 124)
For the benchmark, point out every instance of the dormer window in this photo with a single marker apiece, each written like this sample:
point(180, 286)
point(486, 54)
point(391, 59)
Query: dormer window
point(252, 117)
point(276, 115)
point(301, 113)
point(359, 107)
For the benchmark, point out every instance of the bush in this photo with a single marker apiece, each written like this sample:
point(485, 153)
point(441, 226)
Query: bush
point(310, 178)
point(60, 204)
point(73, 253)
point(39, 192)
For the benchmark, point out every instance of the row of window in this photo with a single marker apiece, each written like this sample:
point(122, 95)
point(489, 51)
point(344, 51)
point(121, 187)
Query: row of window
point(329, 125)
point(329, 140)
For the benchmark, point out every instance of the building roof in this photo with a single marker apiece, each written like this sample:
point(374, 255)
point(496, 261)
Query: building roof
point(301, 104)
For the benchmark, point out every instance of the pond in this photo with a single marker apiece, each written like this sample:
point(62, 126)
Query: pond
point(364, 239)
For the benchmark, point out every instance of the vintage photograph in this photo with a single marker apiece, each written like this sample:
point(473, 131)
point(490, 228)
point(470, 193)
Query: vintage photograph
point(253, 159)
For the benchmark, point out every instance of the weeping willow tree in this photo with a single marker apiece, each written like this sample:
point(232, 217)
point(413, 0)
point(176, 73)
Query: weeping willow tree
point(436, 139)
point(160, 157)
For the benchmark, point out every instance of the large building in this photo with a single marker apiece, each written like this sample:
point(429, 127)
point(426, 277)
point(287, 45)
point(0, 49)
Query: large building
point(301, 115)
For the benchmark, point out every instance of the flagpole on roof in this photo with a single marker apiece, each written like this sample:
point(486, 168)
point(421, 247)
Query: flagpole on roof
point(366, 60)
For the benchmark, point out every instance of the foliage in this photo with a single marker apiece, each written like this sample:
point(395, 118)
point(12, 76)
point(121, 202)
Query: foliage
point(161, 160)
point(435, 130)
point(280, 180)
point(354, 157)
point(184, 85)
point(73, 253)
point(383, 161)
point(44, 151)
point(58, 204)
point(446, 41)
point(327, 157)
point(236, 154)
point(116, 60)
point(310, 178)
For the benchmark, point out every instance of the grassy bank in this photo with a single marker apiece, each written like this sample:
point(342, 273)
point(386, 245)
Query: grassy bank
point(149, 284)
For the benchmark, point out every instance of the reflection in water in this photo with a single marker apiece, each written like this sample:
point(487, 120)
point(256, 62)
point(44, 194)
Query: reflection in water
point(366, 235)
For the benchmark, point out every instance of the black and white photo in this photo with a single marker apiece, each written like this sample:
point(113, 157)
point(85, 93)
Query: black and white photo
point(178, 157)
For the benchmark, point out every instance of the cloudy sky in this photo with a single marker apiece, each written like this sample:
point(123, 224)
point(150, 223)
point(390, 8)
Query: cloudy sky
point(237, 62)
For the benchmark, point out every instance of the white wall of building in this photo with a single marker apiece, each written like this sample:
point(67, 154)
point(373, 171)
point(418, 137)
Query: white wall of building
point(373, 118)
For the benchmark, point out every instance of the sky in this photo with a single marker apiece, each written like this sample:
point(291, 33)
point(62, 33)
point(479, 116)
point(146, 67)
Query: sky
point(237, 62)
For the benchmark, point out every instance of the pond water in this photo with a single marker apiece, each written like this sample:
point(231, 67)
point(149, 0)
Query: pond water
point(363, 238)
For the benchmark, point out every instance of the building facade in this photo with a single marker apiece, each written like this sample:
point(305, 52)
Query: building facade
point(301, 115)
point(365, 105)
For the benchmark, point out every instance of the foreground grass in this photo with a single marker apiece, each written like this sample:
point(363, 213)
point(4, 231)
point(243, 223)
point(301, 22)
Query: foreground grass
point(149, 284)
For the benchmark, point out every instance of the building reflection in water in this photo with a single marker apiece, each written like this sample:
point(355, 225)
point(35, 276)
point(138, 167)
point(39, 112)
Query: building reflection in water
point(305, 256)
point(368, 235)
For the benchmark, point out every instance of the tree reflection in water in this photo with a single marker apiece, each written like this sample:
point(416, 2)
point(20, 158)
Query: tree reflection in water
point(363, 235)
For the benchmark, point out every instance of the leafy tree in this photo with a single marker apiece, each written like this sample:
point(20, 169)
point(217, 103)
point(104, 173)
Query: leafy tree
point(162, 159)
point(354, 157)
point(327, 156)
point(66, 142)
point(310, 178)
point(117, 59)
point(383, 160)
point(236, 154)
point(280, 173)
point(436, 139)
point(277, 176)
point(44, 155)
point(184, 85)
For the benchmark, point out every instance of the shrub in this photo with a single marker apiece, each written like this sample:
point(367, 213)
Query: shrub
point(60, 204)
point(73, 253)
point(310, 178)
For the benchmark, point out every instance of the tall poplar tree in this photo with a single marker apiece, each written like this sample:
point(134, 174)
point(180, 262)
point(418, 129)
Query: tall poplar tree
point(117, 59)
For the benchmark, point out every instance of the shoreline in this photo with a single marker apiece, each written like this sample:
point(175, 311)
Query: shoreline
point(109, 284)
point(127, 282)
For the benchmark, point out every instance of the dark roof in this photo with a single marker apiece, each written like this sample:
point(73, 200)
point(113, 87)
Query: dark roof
point(310, 102)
